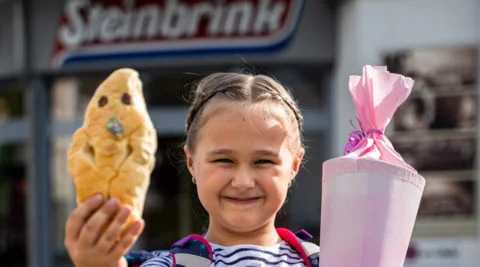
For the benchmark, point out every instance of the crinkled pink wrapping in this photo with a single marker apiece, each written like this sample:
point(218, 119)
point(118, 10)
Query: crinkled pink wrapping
point(377, 94)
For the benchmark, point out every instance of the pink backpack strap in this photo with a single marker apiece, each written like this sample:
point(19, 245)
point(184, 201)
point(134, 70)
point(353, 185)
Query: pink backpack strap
point(294, 241)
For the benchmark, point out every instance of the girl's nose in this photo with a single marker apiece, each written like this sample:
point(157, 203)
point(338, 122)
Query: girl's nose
point(243, 179)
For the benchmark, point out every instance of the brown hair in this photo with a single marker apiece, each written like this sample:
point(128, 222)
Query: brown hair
point(237, 87)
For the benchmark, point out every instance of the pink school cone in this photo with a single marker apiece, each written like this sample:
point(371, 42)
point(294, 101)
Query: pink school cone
point(370, 196)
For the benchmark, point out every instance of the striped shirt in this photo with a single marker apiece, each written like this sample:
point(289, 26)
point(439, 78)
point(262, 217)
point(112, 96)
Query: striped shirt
point(280, 255)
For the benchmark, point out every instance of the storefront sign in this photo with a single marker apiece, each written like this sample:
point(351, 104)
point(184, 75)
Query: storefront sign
point(92, 30)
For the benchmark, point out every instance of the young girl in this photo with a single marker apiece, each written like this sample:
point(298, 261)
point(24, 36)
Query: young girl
point(243, 149)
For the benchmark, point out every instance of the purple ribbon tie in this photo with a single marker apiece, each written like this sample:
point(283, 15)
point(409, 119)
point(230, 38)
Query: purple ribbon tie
point(357, 136)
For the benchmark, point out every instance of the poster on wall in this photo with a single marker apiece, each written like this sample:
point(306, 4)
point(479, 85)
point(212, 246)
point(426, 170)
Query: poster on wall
point(435, 129)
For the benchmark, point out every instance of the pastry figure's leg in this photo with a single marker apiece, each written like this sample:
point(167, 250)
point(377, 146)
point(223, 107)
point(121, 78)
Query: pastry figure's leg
point(81, 166)
point(131, 184)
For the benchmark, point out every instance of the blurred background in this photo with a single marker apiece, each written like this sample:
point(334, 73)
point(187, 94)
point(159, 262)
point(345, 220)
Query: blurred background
point(53, 55)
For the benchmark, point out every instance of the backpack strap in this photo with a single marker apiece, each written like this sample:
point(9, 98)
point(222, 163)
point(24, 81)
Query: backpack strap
point(312, 250)
point(192, 251)
point(309, 251)
point(195, 251)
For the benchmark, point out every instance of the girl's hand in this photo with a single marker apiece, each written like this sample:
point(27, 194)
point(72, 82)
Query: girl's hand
point(93, 230)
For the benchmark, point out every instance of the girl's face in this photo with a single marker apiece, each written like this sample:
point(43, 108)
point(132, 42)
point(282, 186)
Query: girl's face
point(243, 165)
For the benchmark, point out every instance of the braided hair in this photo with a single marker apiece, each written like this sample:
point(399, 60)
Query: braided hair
point(245, 88)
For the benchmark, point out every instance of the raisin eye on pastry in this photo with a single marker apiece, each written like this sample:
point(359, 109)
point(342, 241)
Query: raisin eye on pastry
point(102, 101)
point(126, 99)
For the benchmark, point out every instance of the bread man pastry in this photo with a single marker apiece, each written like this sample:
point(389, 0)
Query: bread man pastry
point(113, 153)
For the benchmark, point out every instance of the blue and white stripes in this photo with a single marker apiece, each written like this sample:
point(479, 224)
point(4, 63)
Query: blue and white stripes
point(280, 255)
point(161, 259)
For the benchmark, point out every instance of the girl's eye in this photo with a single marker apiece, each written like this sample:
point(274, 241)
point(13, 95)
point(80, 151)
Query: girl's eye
point(223, 160)
point(264, 161)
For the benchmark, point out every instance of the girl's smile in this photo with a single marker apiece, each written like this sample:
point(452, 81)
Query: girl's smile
point(242, 200)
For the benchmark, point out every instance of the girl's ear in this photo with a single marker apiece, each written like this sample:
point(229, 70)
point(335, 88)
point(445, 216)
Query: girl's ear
point(188, 156)
point(297, 160)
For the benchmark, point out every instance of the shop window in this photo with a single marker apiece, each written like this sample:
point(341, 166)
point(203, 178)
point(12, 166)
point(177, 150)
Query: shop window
point(13, 203)
point(74, 93)
point(309, 84)
point(169, 91)
point(11, 102)
point(172, 209)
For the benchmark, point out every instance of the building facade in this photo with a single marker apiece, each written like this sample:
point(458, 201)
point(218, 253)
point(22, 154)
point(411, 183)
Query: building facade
point(55, 53)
